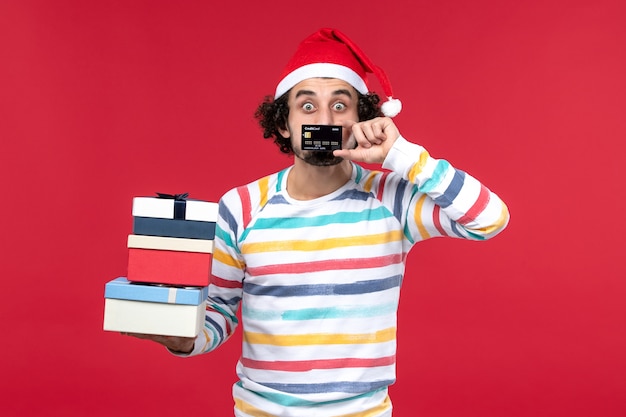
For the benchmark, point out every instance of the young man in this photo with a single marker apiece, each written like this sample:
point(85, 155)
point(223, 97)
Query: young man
point(315, 254)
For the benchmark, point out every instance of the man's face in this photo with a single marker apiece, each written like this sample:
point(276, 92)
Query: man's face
point(320, 101)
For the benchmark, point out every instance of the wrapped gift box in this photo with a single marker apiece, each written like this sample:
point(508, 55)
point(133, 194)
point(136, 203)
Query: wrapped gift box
point(170, 243)
point(152, 309)
point(173, 215)
point(169, 267)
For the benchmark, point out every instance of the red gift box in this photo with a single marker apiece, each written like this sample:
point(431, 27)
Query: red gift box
point(169, 267)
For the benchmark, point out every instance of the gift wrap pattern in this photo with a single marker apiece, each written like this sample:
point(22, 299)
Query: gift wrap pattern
point(169, 265)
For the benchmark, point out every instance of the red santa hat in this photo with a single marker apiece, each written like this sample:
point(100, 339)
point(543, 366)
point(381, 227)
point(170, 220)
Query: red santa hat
point(330, 53)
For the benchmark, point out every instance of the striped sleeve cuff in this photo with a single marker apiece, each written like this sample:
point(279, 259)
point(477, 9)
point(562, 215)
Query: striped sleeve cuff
point(412, 162)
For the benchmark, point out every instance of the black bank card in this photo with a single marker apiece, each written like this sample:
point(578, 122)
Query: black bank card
point(321, 137)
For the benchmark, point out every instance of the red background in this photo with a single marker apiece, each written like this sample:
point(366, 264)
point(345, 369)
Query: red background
point(103, 101)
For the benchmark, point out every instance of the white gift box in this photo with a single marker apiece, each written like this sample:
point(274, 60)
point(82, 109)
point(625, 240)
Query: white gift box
point(153, 318)
point(154, 309)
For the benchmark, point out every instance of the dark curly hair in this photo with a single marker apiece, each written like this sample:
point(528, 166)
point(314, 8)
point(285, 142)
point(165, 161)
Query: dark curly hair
point(272, 116)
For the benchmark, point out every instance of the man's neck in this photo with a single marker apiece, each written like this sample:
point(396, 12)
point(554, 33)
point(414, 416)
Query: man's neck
point(308, 182)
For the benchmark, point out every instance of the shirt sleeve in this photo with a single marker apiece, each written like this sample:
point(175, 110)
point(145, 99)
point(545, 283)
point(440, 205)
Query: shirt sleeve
point(443, 200)
point(226, 284)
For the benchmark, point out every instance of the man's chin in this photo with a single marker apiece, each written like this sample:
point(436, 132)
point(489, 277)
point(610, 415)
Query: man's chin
point(331, 160)
point(320, 159)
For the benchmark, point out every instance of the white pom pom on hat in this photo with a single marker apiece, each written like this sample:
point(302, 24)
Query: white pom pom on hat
point(391, 107)
point(329, 53)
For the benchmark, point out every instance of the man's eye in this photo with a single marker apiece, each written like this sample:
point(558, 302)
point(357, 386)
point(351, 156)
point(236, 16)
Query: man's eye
point(307, 107)
point(339, 106)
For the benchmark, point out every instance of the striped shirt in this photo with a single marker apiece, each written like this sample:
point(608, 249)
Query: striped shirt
point(319, 281)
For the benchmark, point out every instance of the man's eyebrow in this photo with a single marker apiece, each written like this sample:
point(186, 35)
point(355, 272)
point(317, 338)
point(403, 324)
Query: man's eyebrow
point(339, 92)
point(342, 92)
point(305, 93)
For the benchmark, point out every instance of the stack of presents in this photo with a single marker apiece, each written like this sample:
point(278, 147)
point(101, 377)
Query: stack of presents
point(169, 265)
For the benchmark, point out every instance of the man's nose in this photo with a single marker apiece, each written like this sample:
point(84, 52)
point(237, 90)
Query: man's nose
point(325, 117)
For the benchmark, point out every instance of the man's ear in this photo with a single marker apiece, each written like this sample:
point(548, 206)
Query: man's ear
point(284, 132)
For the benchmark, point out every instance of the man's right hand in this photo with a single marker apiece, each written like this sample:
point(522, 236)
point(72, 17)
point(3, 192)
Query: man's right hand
point(176, 344)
